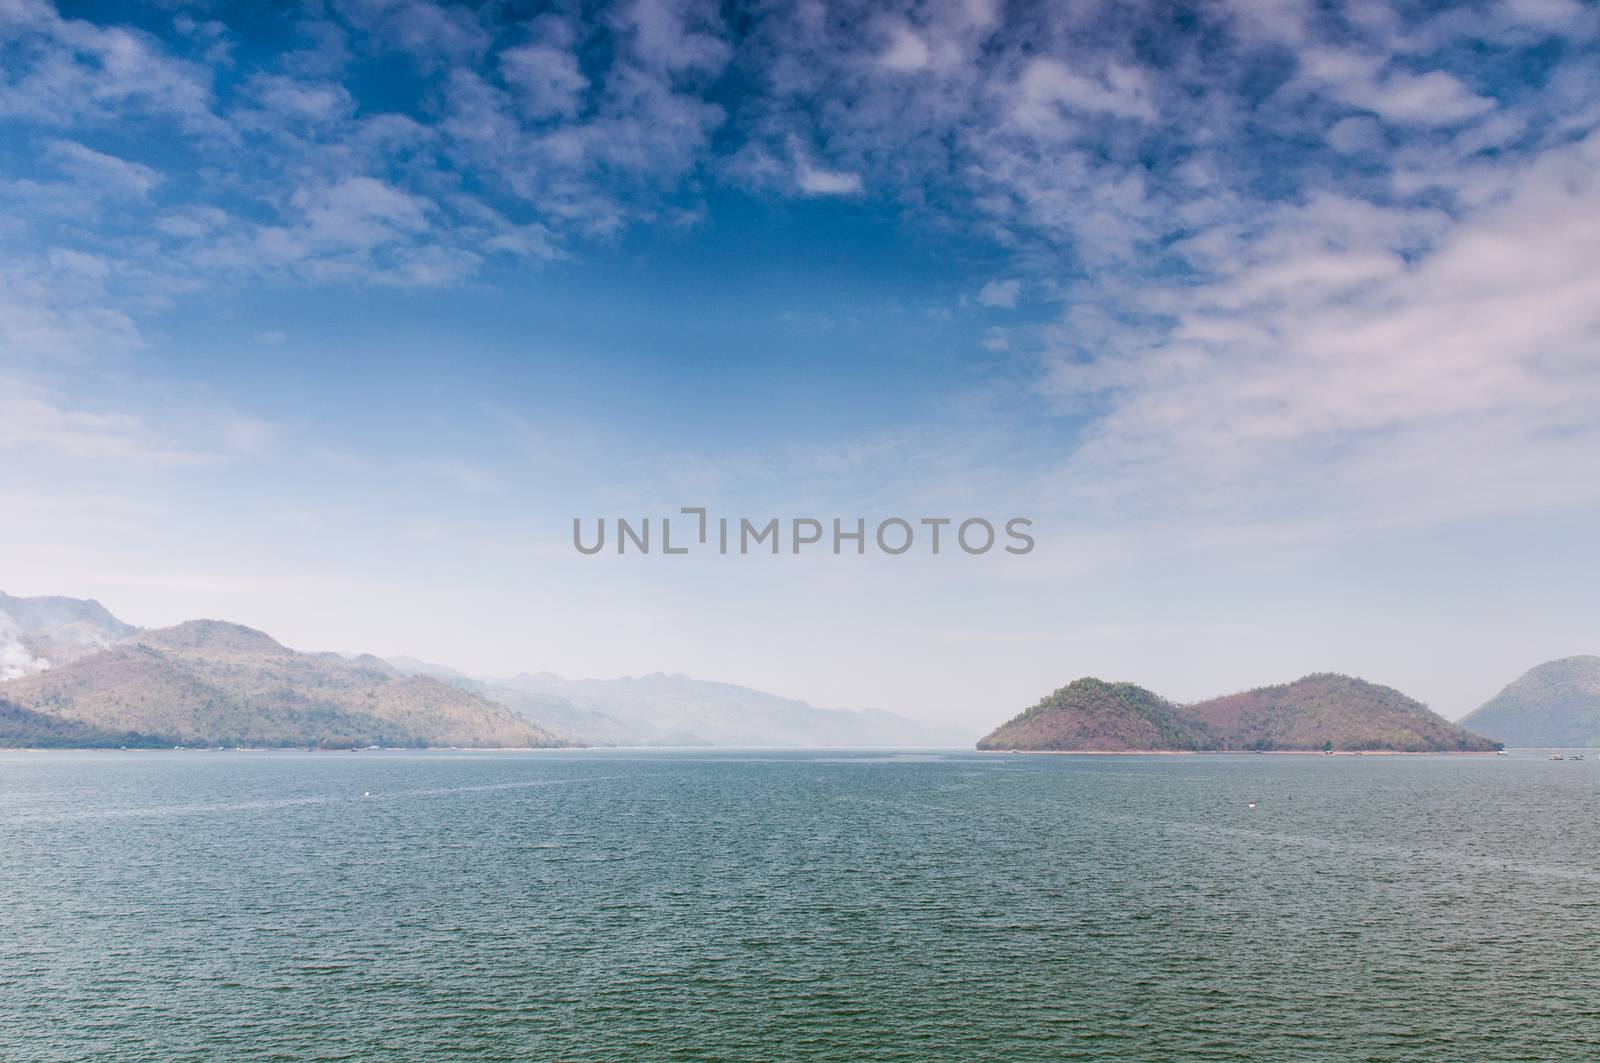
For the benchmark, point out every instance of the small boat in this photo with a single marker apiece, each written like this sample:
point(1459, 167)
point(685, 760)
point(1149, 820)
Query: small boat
point(1557, 756)
point(1501, 753)
point(1577, 756)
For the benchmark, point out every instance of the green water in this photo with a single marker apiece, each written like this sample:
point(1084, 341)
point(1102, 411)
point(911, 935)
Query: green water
point(620, 906)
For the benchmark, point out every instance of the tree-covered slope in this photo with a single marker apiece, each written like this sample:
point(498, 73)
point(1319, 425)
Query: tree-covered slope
point(1092, 715)
point(22, 728)
point(1330, 711)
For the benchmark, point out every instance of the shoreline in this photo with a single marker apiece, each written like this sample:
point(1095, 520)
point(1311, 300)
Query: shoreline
point(1245, 752)
point(798, 749)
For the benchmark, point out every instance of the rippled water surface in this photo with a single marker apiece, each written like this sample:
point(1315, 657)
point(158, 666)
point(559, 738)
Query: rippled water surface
point(616, 906)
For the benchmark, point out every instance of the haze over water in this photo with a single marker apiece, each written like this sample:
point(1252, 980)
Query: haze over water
point(732, 906)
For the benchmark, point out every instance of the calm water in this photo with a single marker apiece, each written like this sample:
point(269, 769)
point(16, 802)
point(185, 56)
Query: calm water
point(652, 906)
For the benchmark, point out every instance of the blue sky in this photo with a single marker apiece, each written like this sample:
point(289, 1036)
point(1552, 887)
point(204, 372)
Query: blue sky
point(1281, 320)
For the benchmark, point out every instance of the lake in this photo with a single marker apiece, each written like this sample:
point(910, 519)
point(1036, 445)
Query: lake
point(620, 905)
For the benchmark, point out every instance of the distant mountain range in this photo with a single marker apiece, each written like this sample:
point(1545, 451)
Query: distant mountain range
point(663, 709)
point(1555, 705)
point(72, 674)
point(1317, 712)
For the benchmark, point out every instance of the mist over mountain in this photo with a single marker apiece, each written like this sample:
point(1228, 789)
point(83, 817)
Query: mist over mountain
point(1553, 705)
point(1316, 712)
point(36, 633)
point(664, 709)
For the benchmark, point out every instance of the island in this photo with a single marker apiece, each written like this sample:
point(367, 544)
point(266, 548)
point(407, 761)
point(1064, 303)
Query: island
point(1321, 713)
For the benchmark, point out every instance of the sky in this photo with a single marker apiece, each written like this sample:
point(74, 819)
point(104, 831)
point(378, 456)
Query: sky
point(1280, 321)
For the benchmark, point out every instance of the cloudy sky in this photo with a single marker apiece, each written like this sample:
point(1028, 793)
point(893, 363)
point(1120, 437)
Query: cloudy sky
point(1281, 320)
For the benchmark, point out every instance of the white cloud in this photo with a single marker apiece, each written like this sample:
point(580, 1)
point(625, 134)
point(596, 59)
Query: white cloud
point(281, 99)
point(1107, 169)
point(814, 181)
point(1431, 98)
point(99, 171)
point(1323, 373)
point(33, 422)
point(1000, 293)
point(675, 35)
point(45, 427)
point(77, 71)
point(1050, 93)
point(1559, 14)
point(546, 78)
point(359, 212)
point(427, 31)
point(906, 50)
point(1356, 134)
point(52, 310)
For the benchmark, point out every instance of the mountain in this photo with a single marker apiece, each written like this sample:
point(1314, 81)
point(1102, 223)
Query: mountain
point(1323, 711)
point(1349, 713)
point(676, 710)
point(589, 727)
point(663, 709)
point(1090, 715)
point(70, 671)
point(36, 633)
point(206, 682)
point(1555, 705)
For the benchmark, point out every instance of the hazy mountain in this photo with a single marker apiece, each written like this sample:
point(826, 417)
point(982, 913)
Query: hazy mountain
point(661, 709)
point(1312, 713)
point(678, 710)
point(206, 682)
point(36, 633)
point(1555, 705)
point(1095, 716)
point(584, 726)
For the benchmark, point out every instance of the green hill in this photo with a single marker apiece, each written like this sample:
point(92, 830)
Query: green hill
point(1555, 705)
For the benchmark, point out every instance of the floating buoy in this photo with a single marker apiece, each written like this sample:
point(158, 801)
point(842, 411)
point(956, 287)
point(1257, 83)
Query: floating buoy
point(368, 793)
